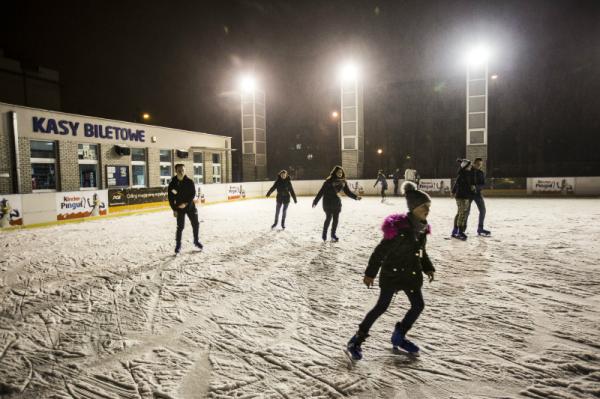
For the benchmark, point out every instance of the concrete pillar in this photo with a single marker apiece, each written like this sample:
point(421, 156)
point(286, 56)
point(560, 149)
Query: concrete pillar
point(254, 136)
point(352, 140)
point(477, 112)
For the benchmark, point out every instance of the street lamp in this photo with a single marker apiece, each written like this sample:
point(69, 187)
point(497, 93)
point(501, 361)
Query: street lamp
point(247, 83)
point(349, 71)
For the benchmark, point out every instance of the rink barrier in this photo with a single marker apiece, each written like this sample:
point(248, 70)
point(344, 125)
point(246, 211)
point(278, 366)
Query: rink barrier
point(51, 208)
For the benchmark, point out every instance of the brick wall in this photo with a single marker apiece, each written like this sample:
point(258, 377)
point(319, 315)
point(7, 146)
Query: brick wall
point(68, 168)
point(6, 156)
point(153, 167)
point(208, 165)
point(24, 156)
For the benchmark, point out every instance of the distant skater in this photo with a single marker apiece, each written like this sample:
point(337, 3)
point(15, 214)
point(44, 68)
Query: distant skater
point(284, 188)
point(479, 182)
point(396, 180)
point(182, 192)
point(332, 204)
point(384, 185)
point(403, 259)
point(462, 191)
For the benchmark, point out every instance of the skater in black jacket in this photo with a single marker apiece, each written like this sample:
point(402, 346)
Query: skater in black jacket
point(463, 191)
point(182, 192)
point(332, 204)
point(284, 188)
point(384, 185)
point(403, 259)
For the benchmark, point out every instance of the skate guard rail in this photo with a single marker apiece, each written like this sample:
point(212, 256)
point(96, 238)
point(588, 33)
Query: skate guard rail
point(39, 209)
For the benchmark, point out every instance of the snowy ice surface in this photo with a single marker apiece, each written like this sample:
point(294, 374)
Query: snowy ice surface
point(103, 310)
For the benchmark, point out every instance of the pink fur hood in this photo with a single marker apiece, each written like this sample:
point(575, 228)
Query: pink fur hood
point(396, 222)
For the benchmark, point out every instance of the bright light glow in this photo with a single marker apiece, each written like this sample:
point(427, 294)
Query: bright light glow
point(380, 151)
point(334, 114)
point(494, 77)
point(478, 55)
point(248, 83)
point(146, 116)
point(349, 71)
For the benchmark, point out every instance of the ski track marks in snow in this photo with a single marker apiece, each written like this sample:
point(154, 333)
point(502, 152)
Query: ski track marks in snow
point(103, 310)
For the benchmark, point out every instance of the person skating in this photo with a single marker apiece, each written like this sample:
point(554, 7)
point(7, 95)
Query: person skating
point(396, 180)
point(384, 185)
point(402, 257)
point(284, 188)
point(478, 178)
point(182, 192)
point(332, 204)
point(462, 191)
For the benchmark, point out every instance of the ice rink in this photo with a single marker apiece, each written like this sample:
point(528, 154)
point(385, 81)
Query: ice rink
point(103, 310)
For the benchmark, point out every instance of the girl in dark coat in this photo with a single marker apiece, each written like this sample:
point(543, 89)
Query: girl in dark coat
point(384, 186)
point(284, 188)
point(332, 204)
point(402, 258)
point(463, 191)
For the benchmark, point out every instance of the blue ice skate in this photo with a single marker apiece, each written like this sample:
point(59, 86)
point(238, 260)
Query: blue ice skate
point(399, 341)
point(353, 348)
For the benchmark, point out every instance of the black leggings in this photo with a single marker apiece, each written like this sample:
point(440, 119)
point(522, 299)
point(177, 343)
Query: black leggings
point(383, 189)
point(329, 215)
point(385, 298)
point(277, 209)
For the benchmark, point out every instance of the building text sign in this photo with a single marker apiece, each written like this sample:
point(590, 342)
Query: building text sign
point(64, 127)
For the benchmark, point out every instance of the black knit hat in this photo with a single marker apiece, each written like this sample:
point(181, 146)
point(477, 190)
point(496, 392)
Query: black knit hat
point(414, 197)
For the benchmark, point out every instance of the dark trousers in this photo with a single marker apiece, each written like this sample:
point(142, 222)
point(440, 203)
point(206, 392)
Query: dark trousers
point(192, 214)
point(329, 216)
point(396, 188)
point(479, 201)
point(383, 189)
point(385, 298)
point(278, 209)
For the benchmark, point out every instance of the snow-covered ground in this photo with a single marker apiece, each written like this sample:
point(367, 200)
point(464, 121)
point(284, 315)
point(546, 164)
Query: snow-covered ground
point(102, 310)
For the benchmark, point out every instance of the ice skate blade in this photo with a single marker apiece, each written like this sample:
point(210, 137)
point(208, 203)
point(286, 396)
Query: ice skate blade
point(351, 359)
point(399, 351)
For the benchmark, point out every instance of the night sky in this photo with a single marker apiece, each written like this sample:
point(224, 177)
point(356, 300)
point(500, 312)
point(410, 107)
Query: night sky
point(180, 62)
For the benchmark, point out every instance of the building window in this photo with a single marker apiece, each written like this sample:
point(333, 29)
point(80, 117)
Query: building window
point(43, 165)
point(216, 158)
point(88, 165)
point(138, 167)
point(166, 167)
point(198, 168)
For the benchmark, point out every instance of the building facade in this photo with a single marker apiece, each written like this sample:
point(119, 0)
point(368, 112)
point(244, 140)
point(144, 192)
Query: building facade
point(44, 151)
